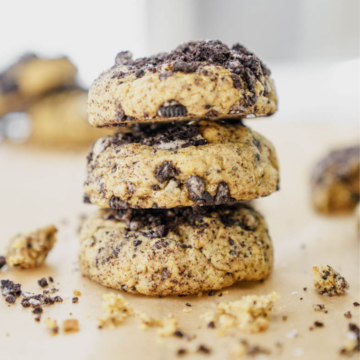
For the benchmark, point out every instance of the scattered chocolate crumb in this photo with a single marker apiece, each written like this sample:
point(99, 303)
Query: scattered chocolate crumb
point(2, 261)
point(318, 324)
point(221, 294)
point(301, 298)
point(38, 317)
point(211, 325)
point(188, 304)
point(10, 299)
point(178, 333)
point(58, 298)
point(43, 282)
point(284, 318)
point(305, 288)
point(211, 293)
point(8, 287)
point(311, 328)
point(51, 279)
point(182, 351)
point(203, 349)
point(318, 307)
point(348, 315)
point(75, 300)
point(38, 310)
point(326, 311)
point(356, 304)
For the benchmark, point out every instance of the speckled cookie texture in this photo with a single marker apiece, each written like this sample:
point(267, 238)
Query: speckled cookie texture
point(60, 120)
point(175, 252)
point(30, 77)
point(203, 79)
point(205, 163)
point(336, 181)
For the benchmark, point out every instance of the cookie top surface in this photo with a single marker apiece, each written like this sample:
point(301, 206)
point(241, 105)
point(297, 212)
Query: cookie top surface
point(201, 163)
point(177, 251)
point(202, 79)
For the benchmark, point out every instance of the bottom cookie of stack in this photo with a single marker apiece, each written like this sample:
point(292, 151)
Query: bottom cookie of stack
point(175, 252)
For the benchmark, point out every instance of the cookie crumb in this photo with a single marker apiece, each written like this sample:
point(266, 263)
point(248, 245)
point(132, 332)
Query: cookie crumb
point(318, 324)
point(147, 321)
point(211, 293)
point(30, 249)
point(188, 304)
point(353, 340)
point(249, 314)
point(348, 315)
point(51, 326)
point(203, 349)
point(70, 325)
point(115, 310)
point(187, 310)
point(329, 282)
point(182, 352)
point(284, 318)
point(356, 304)
point(43, 282)
point(243, 349)
point(211, 325)
point(305, 288)
point(77, 292)
point(168, 328)
point(319, 307)
point(75, 300)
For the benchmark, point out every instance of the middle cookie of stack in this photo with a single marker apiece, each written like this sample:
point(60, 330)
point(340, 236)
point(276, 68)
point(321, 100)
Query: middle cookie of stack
point(203, 163)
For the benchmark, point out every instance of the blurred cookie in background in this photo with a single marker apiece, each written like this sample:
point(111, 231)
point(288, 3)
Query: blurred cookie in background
point(31, 77)
point(335, 181)
point(60, 119)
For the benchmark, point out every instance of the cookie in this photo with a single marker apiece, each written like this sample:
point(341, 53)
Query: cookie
point(197, 80)
point(175, 252)
point(30, 249)
point(60, 120)
point(336, 182)
point(31, 77)
point(205, 163)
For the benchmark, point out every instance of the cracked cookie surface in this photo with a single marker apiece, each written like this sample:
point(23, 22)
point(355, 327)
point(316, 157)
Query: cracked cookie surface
point(203, 163)
point(177, 251)
point(336, 182)
point(199, 79)
point(31, 77)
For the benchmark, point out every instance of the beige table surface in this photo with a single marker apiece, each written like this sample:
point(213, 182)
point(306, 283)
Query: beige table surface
point(38, 187)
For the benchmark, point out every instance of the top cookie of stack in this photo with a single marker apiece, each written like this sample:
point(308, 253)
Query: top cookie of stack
point(197, 80)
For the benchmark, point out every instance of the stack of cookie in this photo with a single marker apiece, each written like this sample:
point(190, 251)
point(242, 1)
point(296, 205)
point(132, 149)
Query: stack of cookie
point(172, 183)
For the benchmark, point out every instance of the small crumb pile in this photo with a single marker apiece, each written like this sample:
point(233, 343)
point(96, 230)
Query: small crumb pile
point(51, 326)
point(168, 327)
point(250, 314)
point(327, 281)
point(30, 249)
point(146, 321)
point(115, 309)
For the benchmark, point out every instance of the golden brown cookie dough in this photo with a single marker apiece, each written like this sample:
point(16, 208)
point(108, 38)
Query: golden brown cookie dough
point(203, 79)
point(60, 119)
point(202, 163)
point(32, 77)
point(177, 251)
point(336, 181)
point(30, 249)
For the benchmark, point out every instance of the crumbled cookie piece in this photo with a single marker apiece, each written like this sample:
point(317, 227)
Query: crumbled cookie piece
point(51, 325)
point(348, 315)
point(10, 290)
point(319, 307)
point(30, 249)
point(182, 352)
point(203, 349)
point(75, 300)
point(318, 324)
point(249, 314)
point(77, 292)
point(168, 328)
point(43, 282)
point(353, 340)
point(147, 321)
point(243, 349)
point(327, 281)
point(2, 261)
point(70, 325)
point(356, 304)
point(115, 310)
